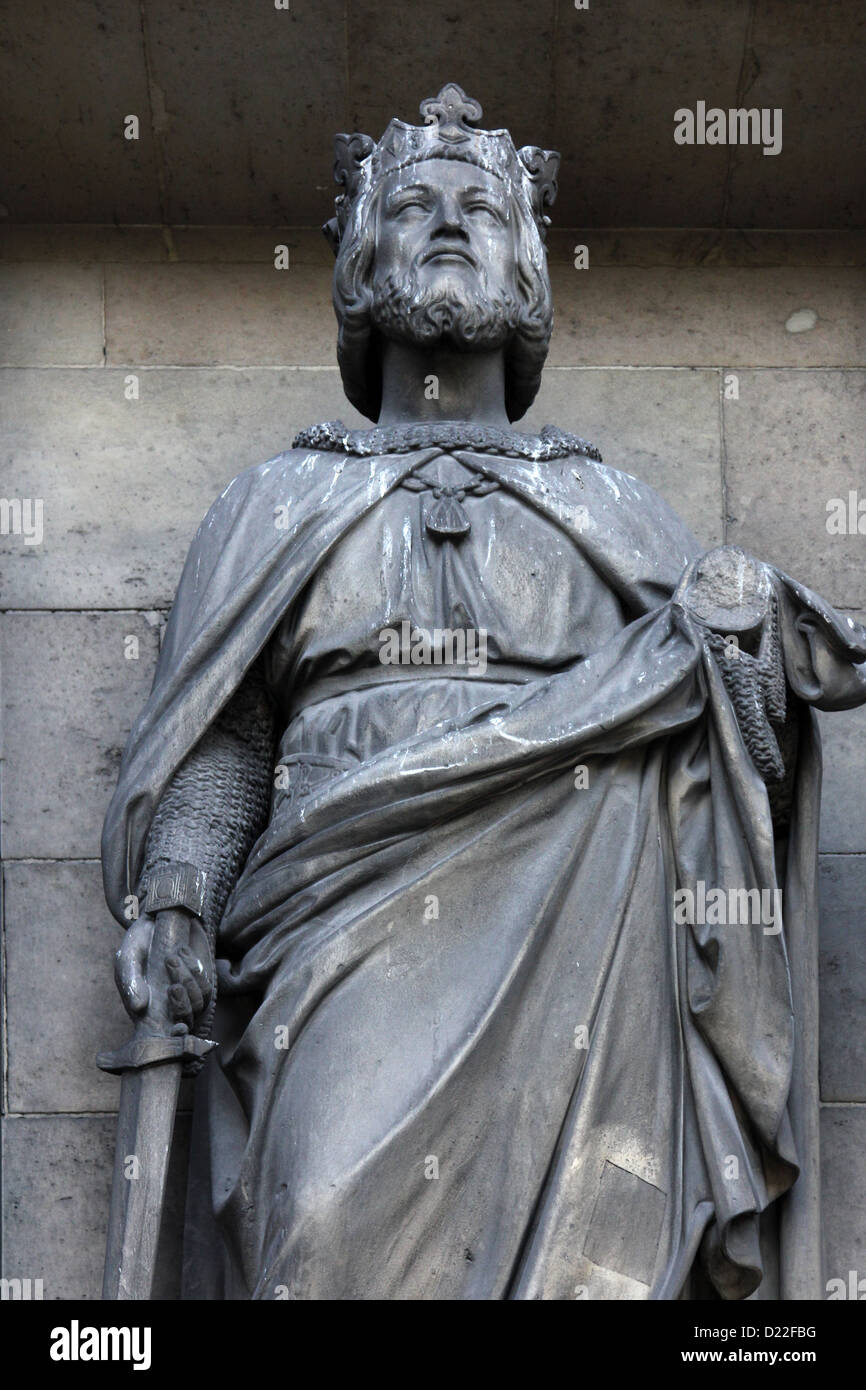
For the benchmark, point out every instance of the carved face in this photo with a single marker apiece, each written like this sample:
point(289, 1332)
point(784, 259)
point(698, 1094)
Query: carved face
point(445, 260)
point(447, 223)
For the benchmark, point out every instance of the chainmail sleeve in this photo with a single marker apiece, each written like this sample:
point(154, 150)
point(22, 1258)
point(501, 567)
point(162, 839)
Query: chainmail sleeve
point(767, 713)
point(217, 803)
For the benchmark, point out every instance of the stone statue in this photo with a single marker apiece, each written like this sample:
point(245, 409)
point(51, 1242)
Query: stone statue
point(482, 807)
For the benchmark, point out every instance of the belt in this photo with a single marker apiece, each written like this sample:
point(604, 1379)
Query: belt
point(366, 677)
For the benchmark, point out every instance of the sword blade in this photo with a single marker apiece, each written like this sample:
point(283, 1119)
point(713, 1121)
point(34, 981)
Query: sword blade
point(151, 1064)
point(145, 1125)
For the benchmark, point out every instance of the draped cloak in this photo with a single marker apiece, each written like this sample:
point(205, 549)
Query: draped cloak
point(549, 1089)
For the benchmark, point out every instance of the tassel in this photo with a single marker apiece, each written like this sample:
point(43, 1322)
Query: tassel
point(447, 519)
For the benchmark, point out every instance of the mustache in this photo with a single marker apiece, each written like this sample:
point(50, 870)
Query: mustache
point(448, 249)
point(471, 319)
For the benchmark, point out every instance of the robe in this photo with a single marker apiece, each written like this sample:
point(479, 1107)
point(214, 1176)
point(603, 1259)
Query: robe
point(466, 1049)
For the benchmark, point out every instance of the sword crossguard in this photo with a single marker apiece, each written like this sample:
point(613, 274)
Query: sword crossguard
point(151, 1050)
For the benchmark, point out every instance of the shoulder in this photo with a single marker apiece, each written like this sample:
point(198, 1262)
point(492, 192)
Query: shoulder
point(579, 473)
point(612, 503)
point(279, 480)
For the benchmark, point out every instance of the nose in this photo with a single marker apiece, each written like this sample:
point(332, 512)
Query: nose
point(449, 221)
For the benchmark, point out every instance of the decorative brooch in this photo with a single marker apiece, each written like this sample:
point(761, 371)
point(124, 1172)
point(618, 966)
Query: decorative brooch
point(447, 520)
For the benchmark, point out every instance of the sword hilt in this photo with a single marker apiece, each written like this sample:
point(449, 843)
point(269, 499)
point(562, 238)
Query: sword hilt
point(158, 1038)
point(149, 1049)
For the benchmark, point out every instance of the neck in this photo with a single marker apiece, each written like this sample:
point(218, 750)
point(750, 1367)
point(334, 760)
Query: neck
point(441, 384)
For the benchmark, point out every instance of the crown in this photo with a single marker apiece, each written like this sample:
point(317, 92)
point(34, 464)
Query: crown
point(449, 132)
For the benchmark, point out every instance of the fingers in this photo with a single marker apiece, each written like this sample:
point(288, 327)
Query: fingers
point(130, 964)
point(200, 953)
point(186, 997)
point(185, 987)
point(179, 1007)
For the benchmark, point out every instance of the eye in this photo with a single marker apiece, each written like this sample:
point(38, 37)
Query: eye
point(486, 209)
point(410, 204)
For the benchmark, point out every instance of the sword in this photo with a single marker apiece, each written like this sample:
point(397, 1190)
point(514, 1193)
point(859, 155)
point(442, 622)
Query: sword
point(151, 1063)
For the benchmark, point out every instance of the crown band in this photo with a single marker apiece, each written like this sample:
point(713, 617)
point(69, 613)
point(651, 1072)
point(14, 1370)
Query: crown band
point(449, 132)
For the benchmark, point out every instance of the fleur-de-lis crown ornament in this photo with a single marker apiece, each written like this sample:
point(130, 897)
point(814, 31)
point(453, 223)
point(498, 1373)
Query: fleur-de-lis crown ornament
point(449, 132)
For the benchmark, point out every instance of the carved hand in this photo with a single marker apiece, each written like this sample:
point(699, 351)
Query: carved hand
point(171, 991)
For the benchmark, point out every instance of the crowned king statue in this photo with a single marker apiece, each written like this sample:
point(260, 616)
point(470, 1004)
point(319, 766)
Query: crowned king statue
point(473, 816)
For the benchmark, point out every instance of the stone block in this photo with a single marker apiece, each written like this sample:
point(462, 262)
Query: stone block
point(793, 442)
point(843, 1177)
point(816, 180)
point(843, 977)
point(56, 1189)
point(62, 1006)
point(50, 315)
point(253, 96)
point(206, 315)
point(69, 697)
point(706, 246)
point(81, 242)
point(618, 84)
point(843, 743)
point(253, 245)
point(69, 79)
point(656, 316)
point(494, 36)
point(125, 483)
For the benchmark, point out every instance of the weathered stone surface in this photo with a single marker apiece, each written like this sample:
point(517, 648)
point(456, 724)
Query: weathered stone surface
point(705, 246)
point(818, 175)
point(493, 36)
point(706, 317)
point(69, 78)
point(843, 977)
point(843, 741)
point(69, 697)
point(125, 483)
point(612, 167)
point(661, 426)
point(56, 1187)
point(81, 242)
point(258, 148)
point(61, 1003)
point(205, 315)
point(793, 442)
point(843, 1144)
point(237, 105)
point(50, 315)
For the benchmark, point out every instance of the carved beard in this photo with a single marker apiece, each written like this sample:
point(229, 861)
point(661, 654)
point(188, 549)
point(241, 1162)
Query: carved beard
point(474, 320)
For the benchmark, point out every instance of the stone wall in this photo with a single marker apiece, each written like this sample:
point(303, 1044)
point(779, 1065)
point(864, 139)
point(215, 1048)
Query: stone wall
point(141, 369)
